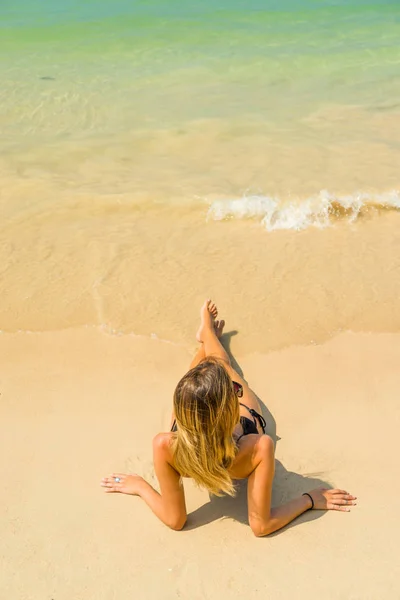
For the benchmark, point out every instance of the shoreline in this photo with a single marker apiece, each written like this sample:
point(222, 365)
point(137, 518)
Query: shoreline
point(282, 288)
point(153, 155)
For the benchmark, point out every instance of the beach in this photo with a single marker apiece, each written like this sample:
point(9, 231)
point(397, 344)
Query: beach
point(155, 155)
point(88, 404)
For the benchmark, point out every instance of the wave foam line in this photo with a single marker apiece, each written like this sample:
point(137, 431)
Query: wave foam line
point(320, 211)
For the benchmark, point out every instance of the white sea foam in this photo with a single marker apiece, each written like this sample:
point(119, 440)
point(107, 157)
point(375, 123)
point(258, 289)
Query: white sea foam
point(320, 211)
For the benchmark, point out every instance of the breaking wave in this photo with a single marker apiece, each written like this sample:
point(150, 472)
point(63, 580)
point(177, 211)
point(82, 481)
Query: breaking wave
point(320, 211)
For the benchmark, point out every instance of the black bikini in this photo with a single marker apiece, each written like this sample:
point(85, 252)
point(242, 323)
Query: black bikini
point(249, 426)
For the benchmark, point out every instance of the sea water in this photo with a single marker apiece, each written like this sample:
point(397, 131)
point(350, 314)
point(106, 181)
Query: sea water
point(119, 120)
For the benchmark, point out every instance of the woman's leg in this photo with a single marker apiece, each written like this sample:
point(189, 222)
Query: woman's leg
point(201, 352)
point(198, 357)
point(208, 335)
point(218, 328)
point(213, 347)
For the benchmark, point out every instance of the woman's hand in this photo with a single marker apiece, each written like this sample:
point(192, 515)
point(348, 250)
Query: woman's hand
point(326, 499)
point(124, 484)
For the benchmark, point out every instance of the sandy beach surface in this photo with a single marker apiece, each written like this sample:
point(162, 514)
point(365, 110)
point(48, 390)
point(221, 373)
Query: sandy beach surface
point(87, 403)
point(154, 154)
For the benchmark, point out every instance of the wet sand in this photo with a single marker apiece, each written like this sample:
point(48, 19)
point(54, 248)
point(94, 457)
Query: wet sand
point(121, 126)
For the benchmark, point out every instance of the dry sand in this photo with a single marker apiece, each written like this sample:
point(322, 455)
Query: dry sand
point(78, 404)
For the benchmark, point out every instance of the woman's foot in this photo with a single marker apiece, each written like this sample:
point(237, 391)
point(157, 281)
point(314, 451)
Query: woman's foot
point(208, 314)
point(219, 328)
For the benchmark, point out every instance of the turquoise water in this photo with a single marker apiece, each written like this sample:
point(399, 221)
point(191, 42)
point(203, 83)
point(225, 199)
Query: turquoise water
point(109, 66)
point(184, 100)
point(128, 128)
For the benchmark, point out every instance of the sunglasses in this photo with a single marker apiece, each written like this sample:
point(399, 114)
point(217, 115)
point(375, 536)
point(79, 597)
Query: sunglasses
point(238, 389)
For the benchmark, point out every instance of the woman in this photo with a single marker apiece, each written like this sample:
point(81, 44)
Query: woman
point(215, 439)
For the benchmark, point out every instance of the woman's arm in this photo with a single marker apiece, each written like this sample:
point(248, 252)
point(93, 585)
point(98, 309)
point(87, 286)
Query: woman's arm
point(169, 505)
point(265, 520)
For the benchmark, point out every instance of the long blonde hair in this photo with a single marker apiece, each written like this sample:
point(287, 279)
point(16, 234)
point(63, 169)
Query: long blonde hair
point(206, 410)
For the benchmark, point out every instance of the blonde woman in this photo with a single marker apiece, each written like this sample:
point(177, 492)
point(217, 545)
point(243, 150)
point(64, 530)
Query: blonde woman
point(218, 436)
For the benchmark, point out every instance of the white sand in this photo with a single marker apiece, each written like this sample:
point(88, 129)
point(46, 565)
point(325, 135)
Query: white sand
point(78, 404)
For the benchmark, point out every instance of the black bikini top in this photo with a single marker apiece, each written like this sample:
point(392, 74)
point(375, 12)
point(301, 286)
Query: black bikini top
point(250, 426)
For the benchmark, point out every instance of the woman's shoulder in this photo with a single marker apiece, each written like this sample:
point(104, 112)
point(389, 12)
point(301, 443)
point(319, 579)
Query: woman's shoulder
point(255, 441)
point(162, 444)
point(250, 449)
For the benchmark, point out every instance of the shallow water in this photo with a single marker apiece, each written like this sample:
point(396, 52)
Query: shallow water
point(129, 130)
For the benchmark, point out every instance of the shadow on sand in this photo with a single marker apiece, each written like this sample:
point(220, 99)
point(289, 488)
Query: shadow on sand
point(287, 485)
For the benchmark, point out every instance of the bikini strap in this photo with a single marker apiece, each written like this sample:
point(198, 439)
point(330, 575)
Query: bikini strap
point(255, 416)
point(250, 411)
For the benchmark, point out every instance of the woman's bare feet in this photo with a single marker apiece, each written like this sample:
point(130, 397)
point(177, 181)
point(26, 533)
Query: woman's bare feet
point(219, 328)
point(208, 314)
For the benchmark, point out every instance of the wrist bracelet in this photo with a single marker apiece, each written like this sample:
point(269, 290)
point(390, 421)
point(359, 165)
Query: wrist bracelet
point(311, 498)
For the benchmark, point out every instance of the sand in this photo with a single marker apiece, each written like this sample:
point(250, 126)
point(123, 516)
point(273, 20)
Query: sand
point(147, 272)
point(80, 403)
point(114, 163)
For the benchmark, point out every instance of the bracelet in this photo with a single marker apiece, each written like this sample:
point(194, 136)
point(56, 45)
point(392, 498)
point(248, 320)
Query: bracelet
point(311, 498)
